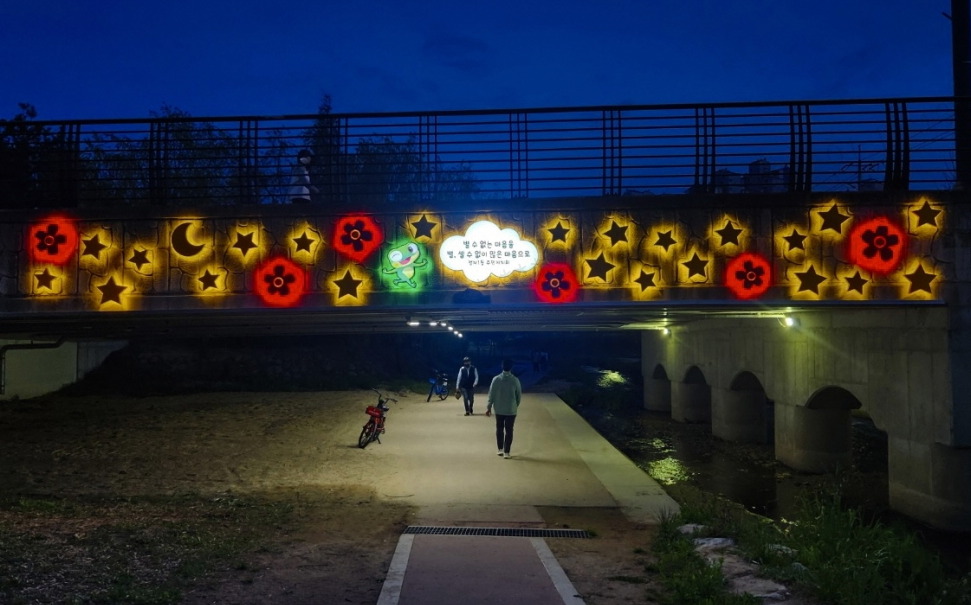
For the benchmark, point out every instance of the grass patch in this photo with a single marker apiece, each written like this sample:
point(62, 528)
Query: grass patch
point(628, 579)
point(687, 578)
point(828, 552)
point(137, 550)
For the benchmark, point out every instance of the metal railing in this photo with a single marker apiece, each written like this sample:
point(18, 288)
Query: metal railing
point(372, 160)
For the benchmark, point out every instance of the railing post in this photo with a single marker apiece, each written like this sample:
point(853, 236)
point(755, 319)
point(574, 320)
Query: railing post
point(518, 155)
point(896, 172)
point(612, 150)
point(800, 149)
point(961, 66)
point(428, 157)
point(248, 160)
point(705, 150)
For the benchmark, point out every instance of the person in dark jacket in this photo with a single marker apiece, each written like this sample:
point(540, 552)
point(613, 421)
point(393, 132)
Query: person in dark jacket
point(466, 382)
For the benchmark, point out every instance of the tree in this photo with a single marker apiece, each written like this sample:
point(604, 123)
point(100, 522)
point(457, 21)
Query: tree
point(329, 169)
point(388, 172)
point(181, 161)
point(381, 170)
point(38, 166)
point(176, 160)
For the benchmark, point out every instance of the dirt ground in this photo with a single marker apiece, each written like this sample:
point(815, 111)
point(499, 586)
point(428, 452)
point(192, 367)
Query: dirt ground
point(298, 446)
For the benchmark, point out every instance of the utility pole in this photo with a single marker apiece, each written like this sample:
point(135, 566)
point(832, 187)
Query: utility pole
point(961, 64)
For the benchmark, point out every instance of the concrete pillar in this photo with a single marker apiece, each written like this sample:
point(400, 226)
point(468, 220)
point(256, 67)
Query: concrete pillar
point(690, 402)
point(738, 415)
point(814, 441)
point(657, 394)
point(930, 482)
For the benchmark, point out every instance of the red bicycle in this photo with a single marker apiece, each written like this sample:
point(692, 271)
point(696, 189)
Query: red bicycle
point(375, 425)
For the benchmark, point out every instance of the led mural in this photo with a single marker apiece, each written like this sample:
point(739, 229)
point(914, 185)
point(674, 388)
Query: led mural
point(406, 265)
point(486, 250)
point(828, 250)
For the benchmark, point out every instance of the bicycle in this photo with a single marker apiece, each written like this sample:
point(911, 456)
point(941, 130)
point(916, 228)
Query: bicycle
point(439, 386)
point(375, 425)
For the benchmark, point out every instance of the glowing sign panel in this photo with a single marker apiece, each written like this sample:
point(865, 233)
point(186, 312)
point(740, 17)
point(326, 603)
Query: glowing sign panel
point(280, 282)
point(356, 237)
point(877, 245)
point(486, 250)
point(748, 275)
point(556, 284)
point(53, 240)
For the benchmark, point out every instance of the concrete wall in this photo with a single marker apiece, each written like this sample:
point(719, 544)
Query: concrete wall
point(34, 372)
point(92, 354)
point(30, 373)
point(894, 363)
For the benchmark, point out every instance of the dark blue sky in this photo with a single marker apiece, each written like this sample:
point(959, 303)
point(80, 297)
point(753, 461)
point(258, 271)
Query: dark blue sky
point(126, 58)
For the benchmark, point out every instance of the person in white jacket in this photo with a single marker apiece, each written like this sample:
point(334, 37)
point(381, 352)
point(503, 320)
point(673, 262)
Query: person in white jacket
point(466, 382)
point(300, 188)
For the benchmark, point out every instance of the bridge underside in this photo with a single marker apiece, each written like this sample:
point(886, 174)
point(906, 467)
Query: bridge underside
point(360, 320)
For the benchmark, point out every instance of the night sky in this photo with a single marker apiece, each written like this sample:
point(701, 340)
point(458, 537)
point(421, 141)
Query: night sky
point(125, 59)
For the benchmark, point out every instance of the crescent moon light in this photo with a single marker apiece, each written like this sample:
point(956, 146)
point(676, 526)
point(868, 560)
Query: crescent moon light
point(181, 243)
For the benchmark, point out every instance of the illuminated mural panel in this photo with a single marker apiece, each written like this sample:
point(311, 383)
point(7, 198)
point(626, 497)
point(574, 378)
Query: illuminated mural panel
point(748, 275)
point(357, 237)
point(405, 265)
point(280, 282)
point(828, 250)
point(556, 283)
point(53, 240)
point(486, 249)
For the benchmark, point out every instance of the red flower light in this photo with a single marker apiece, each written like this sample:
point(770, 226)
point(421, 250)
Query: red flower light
point(556, 283)
point(356, 237)
point(280, 282)
point(877, 245)
point(748, 275)
point(53, 240)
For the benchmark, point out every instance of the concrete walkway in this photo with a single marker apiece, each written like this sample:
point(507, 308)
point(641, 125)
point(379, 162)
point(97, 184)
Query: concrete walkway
point(455, 479)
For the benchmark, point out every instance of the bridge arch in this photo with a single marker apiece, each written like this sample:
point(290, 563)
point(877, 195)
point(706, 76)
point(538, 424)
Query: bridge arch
point(657, 391)
point(741, 412)
point(817, 437)
point(833, 398)
point(691, 398)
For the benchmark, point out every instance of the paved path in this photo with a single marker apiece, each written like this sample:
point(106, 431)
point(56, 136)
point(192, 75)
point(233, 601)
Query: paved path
point(455, 479)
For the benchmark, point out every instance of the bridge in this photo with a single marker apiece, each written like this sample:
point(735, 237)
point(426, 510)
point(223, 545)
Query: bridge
point(786, 264)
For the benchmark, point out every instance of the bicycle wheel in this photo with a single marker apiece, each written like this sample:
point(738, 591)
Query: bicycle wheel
point(367, 434)
point(443, 394)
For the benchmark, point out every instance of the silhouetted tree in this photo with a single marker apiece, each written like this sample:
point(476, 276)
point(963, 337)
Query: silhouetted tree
point(38, 166)
point(384, 171)
point(380, 170)
point(180, 162)
point(328, 172)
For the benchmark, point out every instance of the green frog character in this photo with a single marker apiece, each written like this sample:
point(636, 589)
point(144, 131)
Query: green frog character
point(403, 261)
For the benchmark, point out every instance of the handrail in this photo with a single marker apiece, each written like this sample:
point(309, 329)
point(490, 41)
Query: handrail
point(504, 110)
point(372, 160)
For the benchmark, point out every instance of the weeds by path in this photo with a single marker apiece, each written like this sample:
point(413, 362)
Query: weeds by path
point(827, 552)
point(139, 550)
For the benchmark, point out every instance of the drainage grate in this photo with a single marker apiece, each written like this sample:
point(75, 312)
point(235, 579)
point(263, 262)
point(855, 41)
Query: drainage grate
point(517, 532)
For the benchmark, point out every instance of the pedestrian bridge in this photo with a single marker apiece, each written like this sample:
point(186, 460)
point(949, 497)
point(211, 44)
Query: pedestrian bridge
point(787, 264)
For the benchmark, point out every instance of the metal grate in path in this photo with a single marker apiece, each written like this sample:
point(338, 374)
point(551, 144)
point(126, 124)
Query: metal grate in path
point(517, 532)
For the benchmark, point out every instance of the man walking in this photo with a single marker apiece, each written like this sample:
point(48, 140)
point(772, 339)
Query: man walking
point(505, 393)
point(466, 382)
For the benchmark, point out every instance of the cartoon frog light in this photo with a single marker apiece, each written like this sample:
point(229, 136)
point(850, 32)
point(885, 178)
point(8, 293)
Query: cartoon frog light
point(404, 259)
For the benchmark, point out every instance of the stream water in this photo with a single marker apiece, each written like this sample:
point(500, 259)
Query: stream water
point(674, 452)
